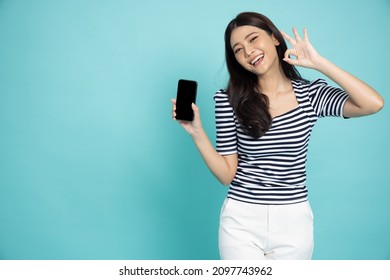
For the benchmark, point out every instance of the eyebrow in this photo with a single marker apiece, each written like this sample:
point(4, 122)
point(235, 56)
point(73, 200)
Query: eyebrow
point(246, 37)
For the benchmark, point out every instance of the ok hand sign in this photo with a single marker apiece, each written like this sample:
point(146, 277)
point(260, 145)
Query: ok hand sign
point(304, 53)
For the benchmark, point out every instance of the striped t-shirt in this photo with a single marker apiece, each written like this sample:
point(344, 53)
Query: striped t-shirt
point(272, 168)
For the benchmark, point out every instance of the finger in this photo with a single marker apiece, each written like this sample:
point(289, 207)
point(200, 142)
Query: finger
point(196, 110)
point(173, 103)
point(173, 108)
point(296, 34)
point(197, 120)
point(290, 52)
point(288, 38)
point(291, 61)
point(288, 59)
point(305, 35)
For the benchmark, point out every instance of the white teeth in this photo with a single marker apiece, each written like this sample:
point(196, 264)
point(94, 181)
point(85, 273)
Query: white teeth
point(257, 59)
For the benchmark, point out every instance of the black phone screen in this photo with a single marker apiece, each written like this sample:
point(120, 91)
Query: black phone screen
point(186, 95)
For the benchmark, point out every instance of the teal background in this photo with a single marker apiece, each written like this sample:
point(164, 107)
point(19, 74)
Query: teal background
point(93, 167)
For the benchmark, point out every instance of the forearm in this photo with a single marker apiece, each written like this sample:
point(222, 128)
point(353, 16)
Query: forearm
point(223, 168)
point(364, 100)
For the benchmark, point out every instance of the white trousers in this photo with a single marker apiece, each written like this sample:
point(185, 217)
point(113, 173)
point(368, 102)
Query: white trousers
point(264, 232)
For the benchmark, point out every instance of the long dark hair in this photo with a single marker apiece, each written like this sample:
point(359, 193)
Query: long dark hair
point(251, 106)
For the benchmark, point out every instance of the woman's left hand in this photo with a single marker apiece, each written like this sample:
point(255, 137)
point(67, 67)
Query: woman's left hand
point(304, 53)
point(363, 99)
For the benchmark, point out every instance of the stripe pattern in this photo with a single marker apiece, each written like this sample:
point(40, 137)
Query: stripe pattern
point(272, 168)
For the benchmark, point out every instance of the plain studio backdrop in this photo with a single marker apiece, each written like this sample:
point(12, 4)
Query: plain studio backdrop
point(92, 165)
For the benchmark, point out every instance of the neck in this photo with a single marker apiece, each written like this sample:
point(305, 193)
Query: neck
point(273, 82)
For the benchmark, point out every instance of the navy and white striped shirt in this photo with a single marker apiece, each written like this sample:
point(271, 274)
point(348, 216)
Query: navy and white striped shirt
point(272, 168)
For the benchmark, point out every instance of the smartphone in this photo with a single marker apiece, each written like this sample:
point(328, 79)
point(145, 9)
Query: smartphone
point(186, 95)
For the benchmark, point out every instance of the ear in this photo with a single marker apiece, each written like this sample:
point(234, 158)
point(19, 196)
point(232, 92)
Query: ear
point(276, 41)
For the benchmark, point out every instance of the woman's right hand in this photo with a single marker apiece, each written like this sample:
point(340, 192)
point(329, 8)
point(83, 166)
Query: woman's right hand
point(224, 168)
point(192, 127)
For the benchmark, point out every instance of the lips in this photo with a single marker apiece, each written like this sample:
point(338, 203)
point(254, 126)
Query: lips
point(257, 60)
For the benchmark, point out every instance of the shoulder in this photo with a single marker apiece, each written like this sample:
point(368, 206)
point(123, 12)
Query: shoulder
point(301, 84)
point(221, 95)
point(306, 89)
point(221, 98)
point(316, 84)
point(222, 103)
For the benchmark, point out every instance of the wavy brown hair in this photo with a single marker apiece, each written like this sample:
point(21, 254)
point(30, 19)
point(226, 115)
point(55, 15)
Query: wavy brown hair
point(250, 106)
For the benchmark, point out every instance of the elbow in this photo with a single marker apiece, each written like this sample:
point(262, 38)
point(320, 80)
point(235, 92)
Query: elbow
point(381, 104)
point(373, 106)
point(229, 179)
point(226, 181)
point(377, 105)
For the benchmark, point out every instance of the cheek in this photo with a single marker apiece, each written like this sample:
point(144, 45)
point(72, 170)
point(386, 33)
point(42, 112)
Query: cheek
point(274, 55)
point(241, 60)
point(245, 65)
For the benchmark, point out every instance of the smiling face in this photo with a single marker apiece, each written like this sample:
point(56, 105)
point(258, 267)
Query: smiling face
point(254, 49)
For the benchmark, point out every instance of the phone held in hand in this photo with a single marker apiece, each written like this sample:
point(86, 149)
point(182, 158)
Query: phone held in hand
point(186, 95)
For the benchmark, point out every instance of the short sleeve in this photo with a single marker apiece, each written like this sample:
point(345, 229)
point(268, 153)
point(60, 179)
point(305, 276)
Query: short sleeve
point(327, 100)
point(225, 125)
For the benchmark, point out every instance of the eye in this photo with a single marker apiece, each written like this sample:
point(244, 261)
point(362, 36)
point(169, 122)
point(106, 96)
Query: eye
point(237, 50)
point(253, 39)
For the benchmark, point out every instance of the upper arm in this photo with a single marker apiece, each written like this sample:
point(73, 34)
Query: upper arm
point(350, 109)
point(327, 100)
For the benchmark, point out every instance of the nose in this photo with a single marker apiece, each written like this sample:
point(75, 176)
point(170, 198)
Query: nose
point(248, 51)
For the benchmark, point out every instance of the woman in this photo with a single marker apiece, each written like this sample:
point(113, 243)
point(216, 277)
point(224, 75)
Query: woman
point(264, 120)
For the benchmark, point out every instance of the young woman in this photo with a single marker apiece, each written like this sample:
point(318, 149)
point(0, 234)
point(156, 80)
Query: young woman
point(264, 120)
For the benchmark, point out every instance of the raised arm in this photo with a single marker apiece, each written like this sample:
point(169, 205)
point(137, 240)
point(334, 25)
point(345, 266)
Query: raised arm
point(223, 167)
point(363, 99)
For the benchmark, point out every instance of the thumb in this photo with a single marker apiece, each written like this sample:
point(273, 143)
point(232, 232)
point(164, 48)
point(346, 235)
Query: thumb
point(196, 111)
point(290, 61)
point(287, 56)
